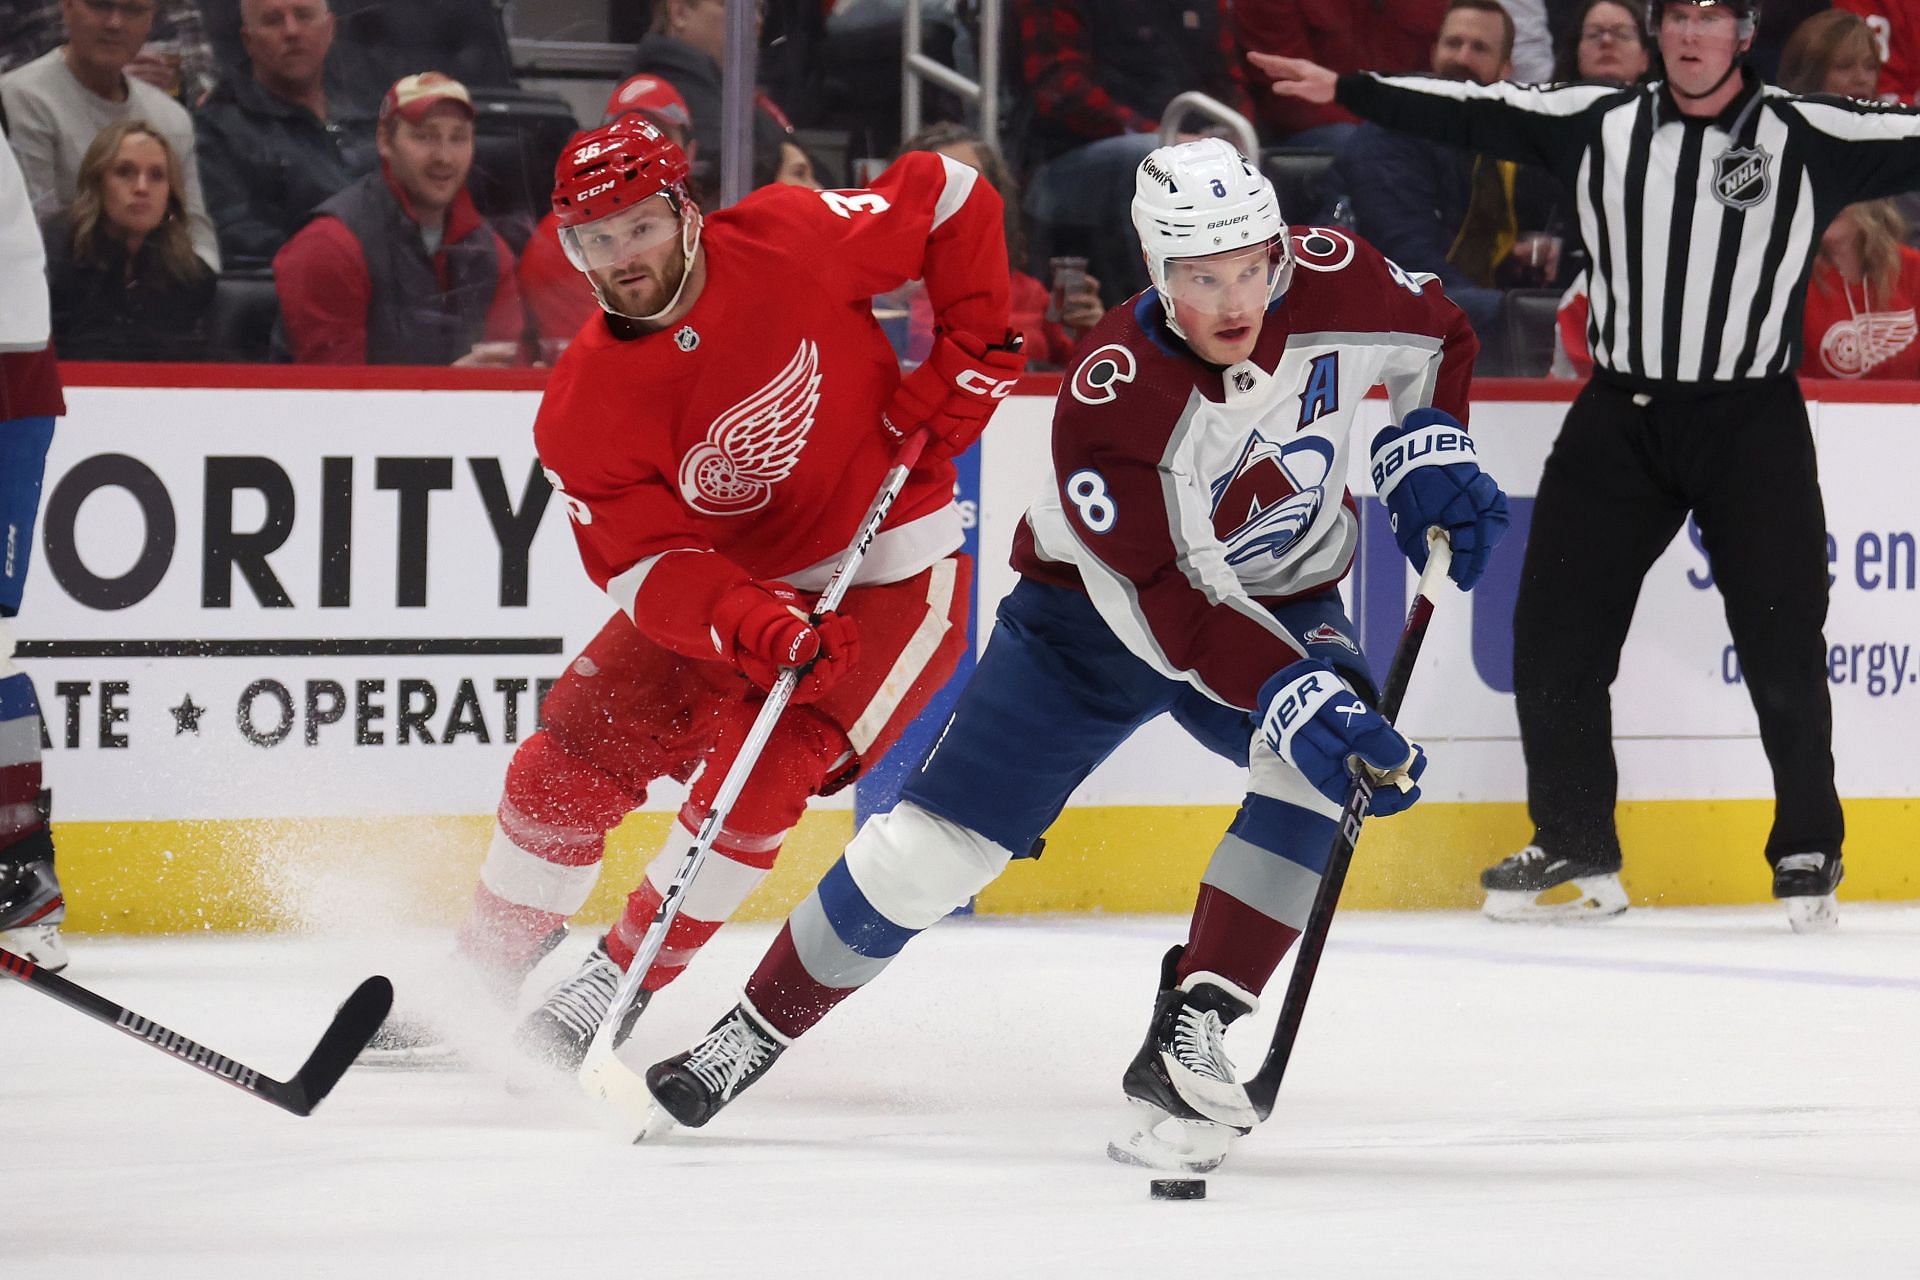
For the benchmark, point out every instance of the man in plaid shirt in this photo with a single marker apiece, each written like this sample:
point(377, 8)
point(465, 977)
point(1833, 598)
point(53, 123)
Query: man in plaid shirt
point(1094, 77)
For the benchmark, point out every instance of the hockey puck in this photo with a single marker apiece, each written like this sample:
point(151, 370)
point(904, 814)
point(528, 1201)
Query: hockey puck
point(1178, 1189)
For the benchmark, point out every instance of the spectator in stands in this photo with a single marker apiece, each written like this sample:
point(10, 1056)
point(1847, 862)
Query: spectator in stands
point(1390, 36)
point(1862, 298)
point(1896, 32)
point(790, 165)
point(1608, 42)
point(684, 46)
point(1832, 52)
point(1094, 76)
point(275, 143)
point(1476, 222)
point(1050, 324)
point(125, 281)
point(557, 298)
point(58, 103)
point(400, 268)
point(1532, 55)
point(177, 58)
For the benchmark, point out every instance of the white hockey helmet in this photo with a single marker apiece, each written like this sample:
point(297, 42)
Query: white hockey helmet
point(1201, 198)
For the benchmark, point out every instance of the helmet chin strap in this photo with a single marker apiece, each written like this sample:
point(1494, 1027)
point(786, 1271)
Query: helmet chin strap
point(1726, 75)
point(689, 246)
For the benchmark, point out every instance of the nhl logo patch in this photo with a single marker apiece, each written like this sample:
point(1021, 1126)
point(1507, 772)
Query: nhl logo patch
point(685, 338)
point(1242, 381)
point(1742, 177)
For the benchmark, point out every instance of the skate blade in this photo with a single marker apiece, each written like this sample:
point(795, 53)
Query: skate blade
point(38, 943)
point(1600, 898)
point(1813, 914)
point(1171, 1144)
point(658, 1124)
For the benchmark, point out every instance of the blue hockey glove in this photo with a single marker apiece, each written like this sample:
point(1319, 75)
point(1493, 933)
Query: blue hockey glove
point(1321, 727)
point(1427, 472)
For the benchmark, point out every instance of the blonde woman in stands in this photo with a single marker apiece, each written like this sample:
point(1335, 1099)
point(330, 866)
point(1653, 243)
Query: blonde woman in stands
point(126, 282)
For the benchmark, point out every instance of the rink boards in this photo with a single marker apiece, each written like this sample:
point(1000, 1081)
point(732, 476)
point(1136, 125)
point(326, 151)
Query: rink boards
point(286, 634)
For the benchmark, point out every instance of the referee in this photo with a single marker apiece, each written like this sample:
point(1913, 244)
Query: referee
point(1701, 201)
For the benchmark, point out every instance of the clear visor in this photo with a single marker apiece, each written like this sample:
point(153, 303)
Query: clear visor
point(621, 236)
point(1224, 284)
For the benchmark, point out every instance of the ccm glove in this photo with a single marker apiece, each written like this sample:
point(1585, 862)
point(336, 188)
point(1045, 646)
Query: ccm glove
point(954, 393)
point(1321, 727)
point(761, 627)
point(1428, 473)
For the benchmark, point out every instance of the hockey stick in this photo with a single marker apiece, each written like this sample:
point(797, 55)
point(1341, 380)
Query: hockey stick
point(348, 1034)
point(1264, 1087)
point(602, 1074)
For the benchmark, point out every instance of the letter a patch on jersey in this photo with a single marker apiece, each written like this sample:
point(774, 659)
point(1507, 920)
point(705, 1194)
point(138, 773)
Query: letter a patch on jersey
point(1322, 394)
point(756, 444)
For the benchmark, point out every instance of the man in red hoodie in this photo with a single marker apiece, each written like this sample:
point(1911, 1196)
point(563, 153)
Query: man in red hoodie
point(400, 268)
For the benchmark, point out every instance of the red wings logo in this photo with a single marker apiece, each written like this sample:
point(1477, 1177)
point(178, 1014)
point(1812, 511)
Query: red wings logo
point(756, 444)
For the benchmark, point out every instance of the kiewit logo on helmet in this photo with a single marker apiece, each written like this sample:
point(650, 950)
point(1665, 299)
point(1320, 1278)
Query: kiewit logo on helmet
point(1158, 174)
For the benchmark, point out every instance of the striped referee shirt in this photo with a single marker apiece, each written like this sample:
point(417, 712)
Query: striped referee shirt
point(1701, 231)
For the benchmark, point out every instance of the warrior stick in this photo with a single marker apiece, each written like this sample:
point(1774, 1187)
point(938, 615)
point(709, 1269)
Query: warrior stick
point(602, 1074)
point(348, 1034)
point(1264, 1087)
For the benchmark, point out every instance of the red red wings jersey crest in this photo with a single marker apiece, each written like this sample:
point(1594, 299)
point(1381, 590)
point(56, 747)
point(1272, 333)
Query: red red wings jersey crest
point(755, 444)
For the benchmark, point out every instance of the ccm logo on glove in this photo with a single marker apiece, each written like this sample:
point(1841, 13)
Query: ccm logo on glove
point(982, 385)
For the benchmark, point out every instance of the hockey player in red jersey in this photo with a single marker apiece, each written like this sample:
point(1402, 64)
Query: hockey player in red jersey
point(716, 436)
point(1185, 560)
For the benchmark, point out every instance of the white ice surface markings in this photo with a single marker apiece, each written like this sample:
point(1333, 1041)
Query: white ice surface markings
point(1677, 1093)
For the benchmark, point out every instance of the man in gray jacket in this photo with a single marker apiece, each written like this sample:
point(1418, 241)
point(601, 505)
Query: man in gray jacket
point(274, 144)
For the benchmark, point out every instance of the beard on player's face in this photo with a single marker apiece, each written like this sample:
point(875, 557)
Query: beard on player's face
point(641, 285)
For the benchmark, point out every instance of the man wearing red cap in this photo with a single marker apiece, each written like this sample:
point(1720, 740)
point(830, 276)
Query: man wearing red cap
point(400, 268)
point(716, 438)
point(550, 283)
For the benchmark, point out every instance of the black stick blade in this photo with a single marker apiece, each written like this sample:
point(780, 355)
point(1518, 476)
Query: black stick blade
point(353, 1026)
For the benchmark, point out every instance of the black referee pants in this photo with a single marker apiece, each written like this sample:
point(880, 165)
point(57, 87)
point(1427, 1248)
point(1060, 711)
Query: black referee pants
point(1618, 485)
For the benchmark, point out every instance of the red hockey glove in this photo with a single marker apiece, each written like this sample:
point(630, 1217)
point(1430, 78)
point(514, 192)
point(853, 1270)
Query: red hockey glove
point(761, 627)
point(955, 391)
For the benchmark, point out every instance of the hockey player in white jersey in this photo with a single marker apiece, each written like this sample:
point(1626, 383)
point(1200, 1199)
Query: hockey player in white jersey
point(1184, 559)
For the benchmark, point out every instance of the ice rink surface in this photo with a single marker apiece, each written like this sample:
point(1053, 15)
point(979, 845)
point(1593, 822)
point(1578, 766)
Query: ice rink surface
point(1676, 1093)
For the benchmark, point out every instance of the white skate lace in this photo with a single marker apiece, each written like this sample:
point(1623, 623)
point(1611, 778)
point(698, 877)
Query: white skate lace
point(1198, 1044)
point(583, 1001)
point(729, 1054)
point(1802, 862)
point(1526, 857)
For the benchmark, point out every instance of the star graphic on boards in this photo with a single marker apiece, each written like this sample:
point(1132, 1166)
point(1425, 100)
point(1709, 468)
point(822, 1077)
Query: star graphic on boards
point(186, 717)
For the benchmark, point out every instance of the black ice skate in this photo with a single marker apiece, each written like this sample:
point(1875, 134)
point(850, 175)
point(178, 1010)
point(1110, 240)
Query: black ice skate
point(413, 1039)
point(1515, 886)
point(560, 1030)
point(1181, 1082)
point(1805, 882)
point(693, 1086)
point(32, 907)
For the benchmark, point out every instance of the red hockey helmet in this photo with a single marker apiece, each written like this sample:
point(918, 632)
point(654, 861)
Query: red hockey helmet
point(604, 177)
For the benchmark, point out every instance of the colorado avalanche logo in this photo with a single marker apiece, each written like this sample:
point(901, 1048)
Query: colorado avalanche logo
point(756, 444)
point(1097, 379)
point(1322, 248)
point(1271, 496)
point(1327, 633)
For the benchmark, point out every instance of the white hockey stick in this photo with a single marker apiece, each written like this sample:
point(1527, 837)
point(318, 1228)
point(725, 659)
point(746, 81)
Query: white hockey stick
point(602, 1074)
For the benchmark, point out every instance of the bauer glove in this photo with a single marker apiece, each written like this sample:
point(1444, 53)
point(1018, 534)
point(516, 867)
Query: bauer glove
point(1428, 473)
point(762, 627)
point(954, 393)
point(1321, 727)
